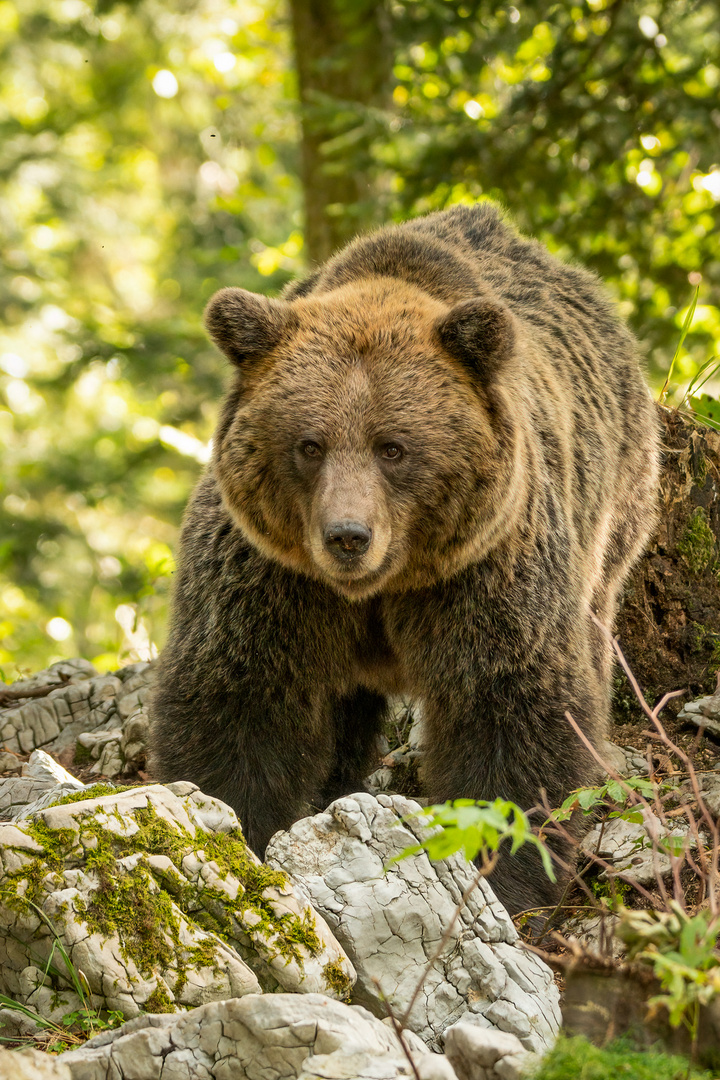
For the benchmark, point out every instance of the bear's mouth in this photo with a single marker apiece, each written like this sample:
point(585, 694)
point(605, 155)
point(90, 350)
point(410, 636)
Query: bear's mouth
point(351, 580)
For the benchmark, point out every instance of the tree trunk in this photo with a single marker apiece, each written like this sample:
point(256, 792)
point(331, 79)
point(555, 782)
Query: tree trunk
point(669, 623)
point(344, 64)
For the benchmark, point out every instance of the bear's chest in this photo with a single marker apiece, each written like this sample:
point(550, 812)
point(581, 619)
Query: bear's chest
point(377, 666)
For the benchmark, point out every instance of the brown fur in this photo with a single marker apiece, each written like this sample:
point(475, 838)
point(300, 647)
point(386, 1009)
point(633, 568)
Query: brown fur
point(476, 410)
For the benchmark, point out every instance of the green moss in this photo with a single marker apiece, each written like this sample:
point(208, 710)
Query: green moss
point(337, 980)
point(613, 890)
point(714, 662)
point(142, 903)
point(142, 916)
point(572, 1059)
point(204, 956)
point(159, 1001)
point(94, 792)
point(56, 843)
point(697, 545)
point(300, 932)
point(26, 883)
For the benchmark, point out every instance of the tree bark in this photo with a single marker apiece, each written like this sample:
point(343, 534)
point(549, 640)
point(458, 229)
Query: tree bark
point(669, 622)
point(343, 58)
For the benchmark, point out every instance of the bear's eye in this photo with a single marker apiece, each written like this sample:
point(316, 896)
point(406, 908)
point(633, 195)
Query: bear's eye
point(311, 449)
point(392, 451)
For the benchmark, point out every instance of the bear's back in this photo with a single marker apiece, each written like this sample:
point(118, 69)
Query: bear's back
point(465, 251)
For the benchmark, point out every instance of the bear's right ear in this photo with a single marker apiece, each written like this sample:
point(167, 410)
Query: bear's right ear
point(244, 325)
point(479, 332)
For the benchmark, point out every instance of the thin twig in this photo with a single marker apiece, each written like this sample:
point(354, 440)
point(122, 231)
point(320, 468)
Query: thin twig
point(635, 796)
point(598, 860)
point(7, 696)
point(397, 1027)
point(653, 715)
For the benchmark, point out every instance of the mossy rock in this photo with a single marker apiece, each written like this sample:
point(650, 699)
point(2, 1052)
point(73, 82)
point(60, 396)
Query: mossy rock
point(155, 896)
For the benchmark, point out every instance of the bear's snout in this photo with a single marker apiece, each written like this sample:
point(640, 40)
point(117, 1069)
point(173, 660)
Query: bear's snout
point(347, 540)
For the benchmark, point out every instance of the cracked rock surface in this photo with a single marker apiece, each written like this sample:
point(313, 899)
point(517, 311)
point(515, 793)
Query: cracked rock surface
point(478, 1054)
point(103, 713)
point(139, 884)
point(42, 781)
point(268, 1037)
point(390, 923)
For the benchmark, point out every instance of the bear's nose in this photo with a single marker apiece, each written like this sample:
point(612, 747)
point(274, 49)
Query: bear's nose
point(347, 539)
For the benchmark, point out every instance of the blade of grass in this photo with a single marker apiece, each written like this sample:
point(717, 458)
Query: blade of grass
point(693, 385)
point(683, 335)
point(714, 424)
point(51, 968)
point(10, 1003)
point(74, 976)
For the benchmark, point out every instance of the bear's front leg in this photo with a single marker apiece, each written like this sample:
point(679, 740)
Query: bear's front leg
point(264, 749)
point(243, 704)
point(514, 742)
point(495, 695)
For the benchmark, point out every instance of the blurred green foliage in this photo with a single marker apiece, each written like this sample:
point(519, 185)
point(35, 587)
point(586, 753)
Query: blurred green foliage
point(147, 157)
point(149, 154)
point(596, 123)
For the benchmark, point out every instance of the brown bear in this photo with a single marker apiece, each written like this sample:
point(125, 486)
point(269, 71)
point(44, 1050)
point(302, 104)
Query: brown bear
point(437, 456)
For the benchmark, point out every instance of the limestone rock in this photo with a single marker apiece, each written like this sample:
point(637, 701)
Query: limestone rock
point(613, 756)
point(629, 846)
point(368, 1066)
point(481, 1054)
point(710, 787)
point(104, 713)
point(399, 768)
point(705, 712)
point(43, 781)
point(46, 796)
point(56, 720)
point(64, 672)
point(390, 923)
point(40, 766)
point(9, 762)
point(14, 1024)
point(272, 1035)
point(595, 930)
point(32, 1065)
point(139, 884)
point(624, 760)
point(17, 791)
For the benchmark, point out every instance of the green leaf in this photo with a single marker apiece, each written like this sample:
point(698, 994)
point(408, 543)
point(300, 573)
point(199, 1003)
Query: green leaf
point(683, 334)
point(616, 791)
point(475, 827)
point(590, 797)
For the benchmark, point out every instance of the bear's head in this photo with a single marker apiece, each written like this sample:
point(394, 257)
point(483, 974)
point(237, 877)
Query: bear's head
point(368, 439)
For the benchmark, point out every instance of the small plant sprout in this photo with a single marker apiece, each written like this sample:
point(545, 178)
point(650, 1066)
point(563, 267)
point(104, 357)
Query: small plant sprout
point(699, 406)
point(477, 828)
point(615, 792)
point(683, 334)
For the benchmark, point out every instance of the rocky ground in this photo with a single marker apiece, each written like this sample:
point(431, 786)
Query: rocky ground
point(142, 899)
point(128, 897)
point(221, 965)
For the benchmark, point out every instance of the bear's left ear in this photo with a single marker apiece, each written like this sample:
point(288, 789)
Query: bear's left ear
point(244, 325)
point(480, 333)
